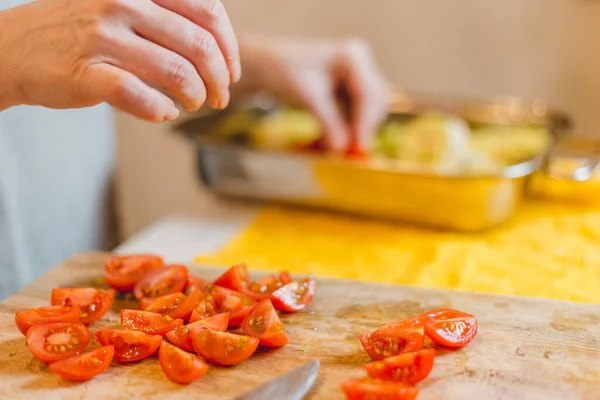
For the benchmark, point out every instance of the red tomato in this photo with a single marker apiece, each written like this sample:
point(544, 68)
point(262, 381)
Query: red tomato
point(354, 151)
point(223, 348)
point(294, 296)
point(163, 281)
point(450, 328)
point(262, 288)
point(27, 318)
point(235, 278)
point(93, 303)
point(407, 368)
point(129, 345)
point(181, 337)
point(195, 283)
point(393, 339)
point(206, 307)
point(163, 304)
point(196, 316)
point(264, 324)
point(148, 322)
point(180, 366)
point(123, 272)
point(54, 341)
point(235, 303)
point(374, 389)
point(84, 366)
point(185, 309)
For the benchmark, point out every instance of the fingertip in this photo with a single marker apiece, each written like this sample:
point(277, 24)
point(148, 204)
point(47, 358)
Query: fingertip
point(235, 69)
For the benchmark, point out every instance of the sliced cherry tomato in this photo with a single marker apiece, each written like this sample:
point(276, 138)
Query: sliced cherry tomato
point(407, 368)
point(195, 283)
point(93, 303)
point(84, 366)
point(162, 281)
point(223, 348)
point(206, 307)
point(235, 278)
point(374, 389)
point(450, 328)
point(129, 345)
point(148, 322)
point(393, 339)
point(264, 324)
point(180, 366)
point(181, 337)
point(27, 318)
point(235, 303)
point(294, 296)
point(262, 288)
point(54, 341)
point(123, 272)
point(163, 304)
point(185, 309)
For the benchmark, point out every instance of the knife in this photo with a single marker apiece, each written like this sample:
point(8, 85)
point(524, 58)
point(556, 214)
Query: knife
point(291, 386)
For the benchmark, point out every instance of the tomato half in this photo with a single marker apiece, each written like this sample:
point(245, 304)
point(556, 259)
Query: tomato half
point(163, 304)
point(148, 322)
point(93, 303)
point(206, 307)
point(235, 303)
point(54, 341)
point(186, 308)
point(407, 368)
point(374, 389)
point(180, 366)
point(235, 278)
point(123, 272)
point(84, 366)
point(263, 287)
point(393, 339)
point(450, 328)
point(223, 348)
point(129, 345)
point(181, 337)
point(195, 283)
point(294, 296)
point(264, 324)
point(162, 281)
point(27, 318)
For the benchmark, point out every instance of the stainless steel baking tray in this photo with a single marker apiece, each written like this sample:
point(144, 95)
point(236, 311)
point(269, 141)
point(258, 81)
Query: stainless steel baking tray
point(462, 202)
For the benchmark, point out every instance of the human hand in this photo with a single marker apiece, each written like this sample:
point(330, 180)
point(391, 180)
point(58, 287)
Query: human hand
point(79, 53)
point(312, 72)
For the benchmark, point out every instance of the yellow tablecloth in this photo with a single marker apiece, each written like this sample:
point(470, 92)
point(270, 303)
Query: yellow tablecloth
point(547, 249)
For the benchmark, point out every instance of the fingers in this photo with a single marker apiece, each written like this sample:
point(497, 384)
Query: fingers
point(211, 15)
point(194, 43)
point(123, 90)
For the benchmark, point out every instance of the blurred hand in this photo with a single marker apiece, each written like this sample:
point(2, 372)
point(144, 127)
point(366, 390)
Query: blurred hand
point(79, 53)
point(312, 73)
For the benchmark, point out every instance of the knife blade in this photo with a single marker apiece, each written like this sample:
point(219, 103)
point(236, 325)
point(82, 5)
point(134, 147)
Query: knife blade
point(291, 386)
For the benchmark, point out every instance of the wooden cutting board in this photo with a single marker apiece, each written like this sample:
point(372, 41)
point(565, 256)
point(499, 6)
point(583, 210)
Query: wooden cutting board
point(525, 349)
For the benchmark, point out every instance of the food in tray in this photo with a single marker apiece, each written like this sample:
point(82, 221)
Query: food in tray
point(433, 141)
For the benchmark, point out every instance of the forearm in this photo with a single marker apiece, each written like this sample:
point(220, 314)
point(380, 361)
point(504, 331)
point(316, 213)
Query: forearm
point(7, 93)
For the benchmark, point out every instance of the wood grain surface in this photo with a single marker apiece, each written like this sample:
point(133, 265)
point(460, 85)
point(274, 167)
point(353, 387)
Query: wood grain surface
point(525, 349)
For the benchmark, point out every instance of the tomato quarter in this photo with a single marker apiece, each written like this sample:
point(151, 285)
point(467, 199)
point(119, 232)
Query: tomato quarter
point(195, 283)
point(84, 366)
point(54, 341)
point(263, 323)
point(129, 345)
point(235, 303)
point(294, 296)
point(235, 278)
point(93, 303)
point(223, 348)
point(180, 366)
point(393, 339)
point(123, 272)
point(450, 328)
point(407, 368)
point(262, 288)
point(181, 337)
point(162, 281)
point(186, 308)
point(148, 322)
point(373, 389)
point(27, 318)
point(163, 304)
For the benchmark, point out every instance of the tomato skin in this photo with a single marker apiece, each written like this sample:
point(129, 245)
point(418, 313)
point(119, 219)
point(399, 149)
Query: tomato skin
point(180, 366)
point(450, 328)
point(93, 303)
point(74, 336)
point(186, 308)
point(374, 389)
point(129, 345)
point(294, 296)
point(84, 366)
point(148, 322)
point(262, 288)
point(408, 368)
point(181, 336)
point(123, 272)
point(263, 323)
point(164, 304)
point(223, 348)
point(199, 284)
point(235, 303)
point(27, 318)
point(162, 281)
point(393, 339)
point(235, 278)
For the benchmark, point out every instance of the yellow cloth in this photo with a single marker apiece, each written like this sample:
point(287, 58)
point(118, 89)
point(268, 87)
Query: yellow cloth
point(547, 250)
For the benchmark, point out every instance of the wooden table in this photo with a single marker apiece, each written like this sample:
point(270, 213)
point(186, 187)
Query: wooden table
point(525, 349)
